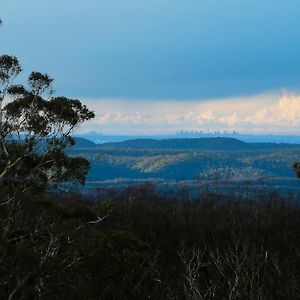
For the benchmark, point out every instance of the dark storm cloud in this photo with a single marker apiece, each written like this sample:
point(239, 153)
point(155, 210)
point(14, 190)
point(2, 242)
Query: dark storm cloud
point(159, 48)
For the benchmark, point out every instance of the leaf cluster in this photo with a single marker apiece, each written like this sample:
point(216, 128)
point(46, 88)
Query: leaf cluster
point(35, 130)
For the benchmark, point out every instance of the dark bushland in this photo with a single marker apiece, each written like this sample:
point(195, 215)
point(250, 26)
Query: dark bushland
point(136, 244)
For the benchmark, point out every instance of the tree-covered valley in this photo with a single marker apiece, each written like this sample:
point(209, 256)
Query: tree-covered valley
point(191, 160)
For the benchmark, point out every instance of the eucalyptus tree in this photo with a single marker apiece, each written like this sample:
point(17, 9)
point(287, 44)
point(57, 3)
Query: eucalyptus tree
point(35, 130)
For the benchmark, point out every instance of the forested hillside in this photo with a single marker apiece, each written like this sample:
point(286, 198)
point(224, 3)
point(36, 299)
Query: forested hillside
point(187, 159)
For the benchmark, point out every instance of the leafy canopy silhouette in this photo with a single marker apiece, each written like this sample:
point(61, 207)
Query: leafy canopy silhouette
point(35, 130)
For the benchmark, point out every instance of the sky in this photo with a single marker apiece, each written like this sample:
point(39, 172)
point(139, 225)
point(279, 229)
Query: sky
point(164, 65)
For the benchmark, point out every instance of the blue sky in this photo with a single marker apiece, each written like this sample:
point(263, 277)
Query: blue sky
point(159, 50)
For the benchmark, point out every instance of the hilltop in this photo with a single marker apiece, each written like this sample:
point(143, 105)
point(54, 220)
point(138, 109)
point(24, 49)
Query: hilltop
point(203, 144)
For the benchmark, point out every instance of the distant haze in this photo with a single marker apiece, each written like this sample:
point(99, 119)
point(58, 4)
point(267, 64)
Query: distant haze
point(259, 114)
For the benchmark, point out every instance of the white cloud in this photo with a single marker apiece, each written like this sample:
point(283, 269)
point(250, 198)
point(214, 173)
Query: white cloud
point(265, 113)
point(284, 113)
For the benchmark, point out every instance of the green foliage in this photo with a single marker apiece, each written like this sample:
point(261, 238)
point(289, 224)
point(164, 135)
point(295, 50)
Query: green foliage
point(110, 165)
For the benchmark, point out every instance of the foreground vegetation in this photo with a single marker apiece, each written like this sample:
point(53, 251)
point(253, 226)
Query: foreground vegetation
point(135, 244)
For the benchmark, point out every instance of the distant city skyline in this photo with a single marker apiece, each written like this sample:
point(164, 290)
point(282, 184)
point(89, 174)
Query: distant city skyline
point(258, 114)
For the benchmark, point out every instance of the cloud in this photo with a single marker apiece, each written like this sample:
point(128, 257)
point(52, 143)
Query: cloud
point(284, 113)
point(230, 120)
point(265, 113)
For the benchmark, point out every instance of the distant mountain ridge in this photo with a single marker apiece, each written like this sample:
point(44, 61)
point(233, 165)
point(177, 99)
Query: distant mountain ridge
point(83, 143)
point(249, 138)
point(204, 144)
